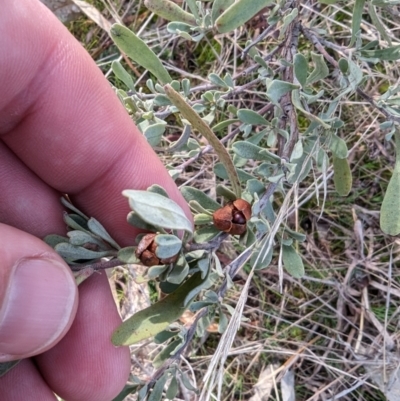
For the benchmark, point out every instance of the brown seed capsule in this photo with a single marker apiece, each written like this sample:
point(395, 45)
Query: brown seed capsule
point(232, 218)
point(238, 218)
point(146, 252)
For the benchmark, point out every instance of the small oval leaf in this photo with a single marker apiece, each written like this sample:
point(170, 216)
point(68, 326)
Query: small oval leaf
point(342, 177)
point(247, 150)
point(251, 117)
point(170, 11)
point(134, 220)
point(72, 252)
point(152, 320)
point(292, 261)
point(172, 389)
point(157, 392)
point(205, 201)
point(390, 209)
point(127, 255)
point(153, 133)
point(138, 51)
point(122, 74)
point(239, 13)
point(320, 71)
point(338, 147)
point(97, 228)
point(277, 88)
point(167, 245)
point(157, 210)
point(206, 234)
point(300, 68)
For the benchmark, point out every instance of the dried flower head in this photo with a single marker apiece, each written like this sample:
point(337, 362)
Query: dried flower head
point(233, 217)
point(146, 252)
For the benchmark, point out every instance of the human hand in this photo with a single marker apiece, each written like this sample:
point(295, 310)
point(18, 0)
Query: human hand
point(62, 130)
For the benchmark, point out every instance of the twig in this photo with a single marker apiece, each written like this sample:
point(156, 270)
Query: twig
point(289, 116)
point(266, 32)
point(97, 266)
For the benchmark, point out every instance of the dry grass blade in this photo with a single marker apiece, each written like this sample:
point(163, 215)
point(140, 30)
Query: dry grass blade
point(94, 14)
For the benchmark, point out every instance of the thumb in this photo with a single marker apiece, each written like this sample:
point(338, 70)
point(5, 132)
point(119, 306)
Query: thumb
point(38, 295)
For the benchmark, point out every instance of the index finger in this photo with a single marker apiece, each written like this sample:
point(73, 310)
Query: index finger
point(59, 115)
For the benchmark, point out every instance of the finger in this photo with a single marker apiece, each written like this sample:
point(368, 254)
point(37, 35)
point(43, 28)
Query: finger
point(38, 295)
point(60, 102)
point(26, 201)
point(85, 366)
point(24, 383)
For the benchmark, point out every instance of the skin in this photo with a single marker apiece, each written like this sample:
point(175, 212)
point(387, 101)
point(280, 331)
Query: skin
point(63, 130)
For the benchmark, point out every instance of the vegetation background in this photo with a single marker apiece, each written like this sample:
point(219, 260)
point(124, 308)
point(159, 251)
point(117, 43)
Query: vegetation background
point(334, 333)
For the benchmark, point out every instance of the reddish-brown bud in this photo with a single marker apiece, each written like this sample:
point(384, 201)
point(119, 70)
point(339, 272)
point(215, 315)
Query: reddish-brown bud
point(146, 252)
point(232, 218)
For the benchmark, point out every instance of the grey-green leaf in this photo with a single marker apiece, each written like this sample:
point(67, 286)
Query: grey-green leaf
point(156, 271)
point(276, 89)
point(72, 252)
point(224, 191)
point(239, 13)
point(338, 147)
point(54, 239)
point(224, 124)
point(176, 27)
point(172, 389)
point(218, 7)
point(168, 245)
point(157, 210)
point(262, 256)
point(320, 71)
point(202, 218)
point(157, 392)
point(220, 171)
point(216, 80)
point(179, 272)
point(167, 352)
point(356, 20)
point(342, 177)
point(80, 238)
point(300, 68)
point(343, 65)
point(170, 11)
point(389, 54)
point(127, 255)
point(247, 150)
point(205, 234)
point(251, 117)
point(96, 228)
point(122, 74)
point(390, 209)
point(158, 189)
point(292, 261)
point(205, 201)
point(128, 389)
point(153, 133)
point(223, 322)
point(75, 221)
point(139, 52)
point(65, 202)
point(134, 220)
point(152, 320)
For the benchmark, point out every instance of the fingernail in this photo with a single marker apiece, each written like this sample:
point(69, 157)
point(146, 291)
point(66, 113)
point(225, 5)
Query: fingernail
point(37, 307)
